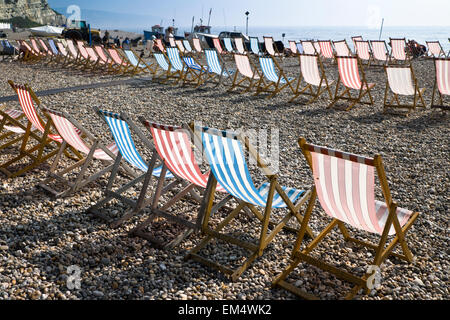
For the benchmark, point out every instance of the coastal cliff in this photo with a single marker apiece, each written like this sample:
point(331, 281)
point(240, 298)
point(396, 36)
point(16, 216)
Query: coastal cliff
point(36, 10)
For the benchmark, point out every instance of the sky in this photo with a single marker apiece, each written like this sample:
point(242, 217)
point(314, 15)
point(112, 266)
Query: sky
point(283, 13)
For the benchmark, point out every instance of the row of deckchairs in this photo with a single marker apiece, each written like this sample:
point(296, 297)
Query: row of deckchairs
point(271, 79)
point(344, 184)
point(78, 55)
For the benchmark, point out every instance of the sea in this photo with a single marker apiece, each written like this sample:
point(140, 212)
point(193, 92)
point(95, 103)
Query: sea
point(419, 34)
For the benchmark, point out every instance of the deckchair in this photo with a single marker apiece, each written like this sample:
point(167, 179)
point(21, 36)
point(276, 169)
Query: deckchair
point(187, 46)
point(441, 84)
point(326, 49)
point(169, 72)
point(39, 51)
point(159, 44)
point(225, 153)
point(354, 39)
point(86, 62)
point(435, 49)
point(313, 74)
point(254, 46)
point(180, 46)
point(29, 55)
point(308, 47)
point(300, 47)
point(187, 73)
point(174, 146)
point(249, 74)
point(349, 78)
point(218, 46)
point(76, 56)
point(363, 51)
point(75, 135)
point(121, 127)
point(380, 51)
point(197, 45)
point(58, 56)
point(9, 51)
point(106, 61)
point(398, 50)
point(138, 63)
point(342, 48)
point(68, 59)
point(8, 128)
point(122, 65)
point(402, 82)
point(172, 42)
point(228, 45)
point(317, 47)
point(277, 80)
point(239, 42)
point(293, 47)
point(270, 47)
point(216, 67)
point(345, 186)
point(49, 53)
point(95, 62)
point(36, 138)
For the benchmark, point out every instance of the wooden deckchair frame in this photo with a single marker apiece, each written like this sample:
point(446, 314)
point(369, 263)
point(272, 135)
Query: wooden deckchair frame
point(159, 209)
point(196, 75)
point(275, 49)
point(357, 38)
point(407, 53)
point(137, 69)
point(440, 97)
point(418, 94)
point(442, 54)
point(346, 44)
point(123, 67)
point(72, 186)
point(43, 141)
point(30, 54)
point(333, 59)
point(213, 75)
point(346, 94)
point(170, 73)
point(312, 44)
point(382, 252)
point(264, 84)
point(252, 82)
point(308, 89)
point(371, 58)
point(386, 51)
point(135, 206)
point(264, 217)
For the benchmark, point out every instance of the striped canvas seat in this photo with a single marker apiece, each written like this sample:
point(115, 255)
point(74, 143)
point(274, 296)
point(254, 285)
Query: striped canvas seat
point(160, 45)
point(342, 48)
point(180, 46)
point(349, 74)
point(174, 57)
point(116, 57)
point(218, 45)
point(73, 51)
point(228, 44)
point(244, 67)
point(82, 50)
point(345, 185)
point(174, 147)
point(35, 46)
point(398, 49)
point(133, 60)
point(93, 56)
point(269, 44)
point(268, 69)
point(308, 47)
point(101, 54)
point(435, 49)
point(293, 47)
point(197, 45)
point(254, 45)
point(172, 42)
point(310, 70)
point(227, 161)
point(400, 81)
point(214, 65)
point(187, 46)
point(357, 38)
point(443, 75)
point(44, 46)
point(380, 50)
point(192, 64)
point(161, 60)
point(15, 114)
point(326, 49)
point(72, 135)
point(62, 49)
point(53, 47)
point(299, 48)
point(239, 42)
point(125, 143)
point(317, 47)
point(363, 49)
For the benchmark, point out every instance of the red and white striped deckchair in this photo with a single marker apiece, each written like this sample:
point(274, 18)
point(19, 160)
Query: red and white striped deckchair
point(250, 75)
point(180, 46)
point(345, 187)
point(441, 84)
point(402, 82)
point(239, 42)
point(197, 45)
point(174, 146)
point(356, 38)
point(435, 49)
point(380, 51)
point(66, 56)
point(218, 46)
point(317, 47)
point(350, 79)
point(29, 55)
point(363, 51)
point(159, 44)
point(75, 135)
point(398, 50)
point(269, 43)
point(37, 49)
point(308, 47)
point(172, 42)
point(122, 66)
point(46, 143)
point(342, 48)
point(49, 53)
point(10, 125)
point(76, 56)
point(313, 74)
point(293, 47)
point(326, 49)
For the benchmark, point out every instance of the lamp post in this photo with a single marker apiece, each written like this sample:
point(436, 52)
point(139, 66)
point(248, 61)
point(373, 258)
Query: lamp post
point(246, 28)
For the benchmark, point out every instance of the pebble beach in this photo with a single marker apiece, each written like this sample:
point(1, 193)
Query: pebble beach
point(40, 237)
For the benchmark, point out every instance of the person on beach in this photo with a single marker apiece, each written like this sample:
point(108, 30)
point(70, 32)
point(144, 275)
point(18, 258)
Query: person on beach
point(106, 38)
point(169, 34)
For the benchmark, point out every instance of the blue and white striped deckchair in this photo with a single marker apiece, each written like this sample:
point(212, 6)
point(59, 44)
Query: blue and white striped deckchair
point(187, 46)
point(254, 45)
point(138, 64)
point(227, 159)
point(228, 44)
point(168, 71)
point(279, 82)
point(188, 72)
point(216, 66)
point(119, 125)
